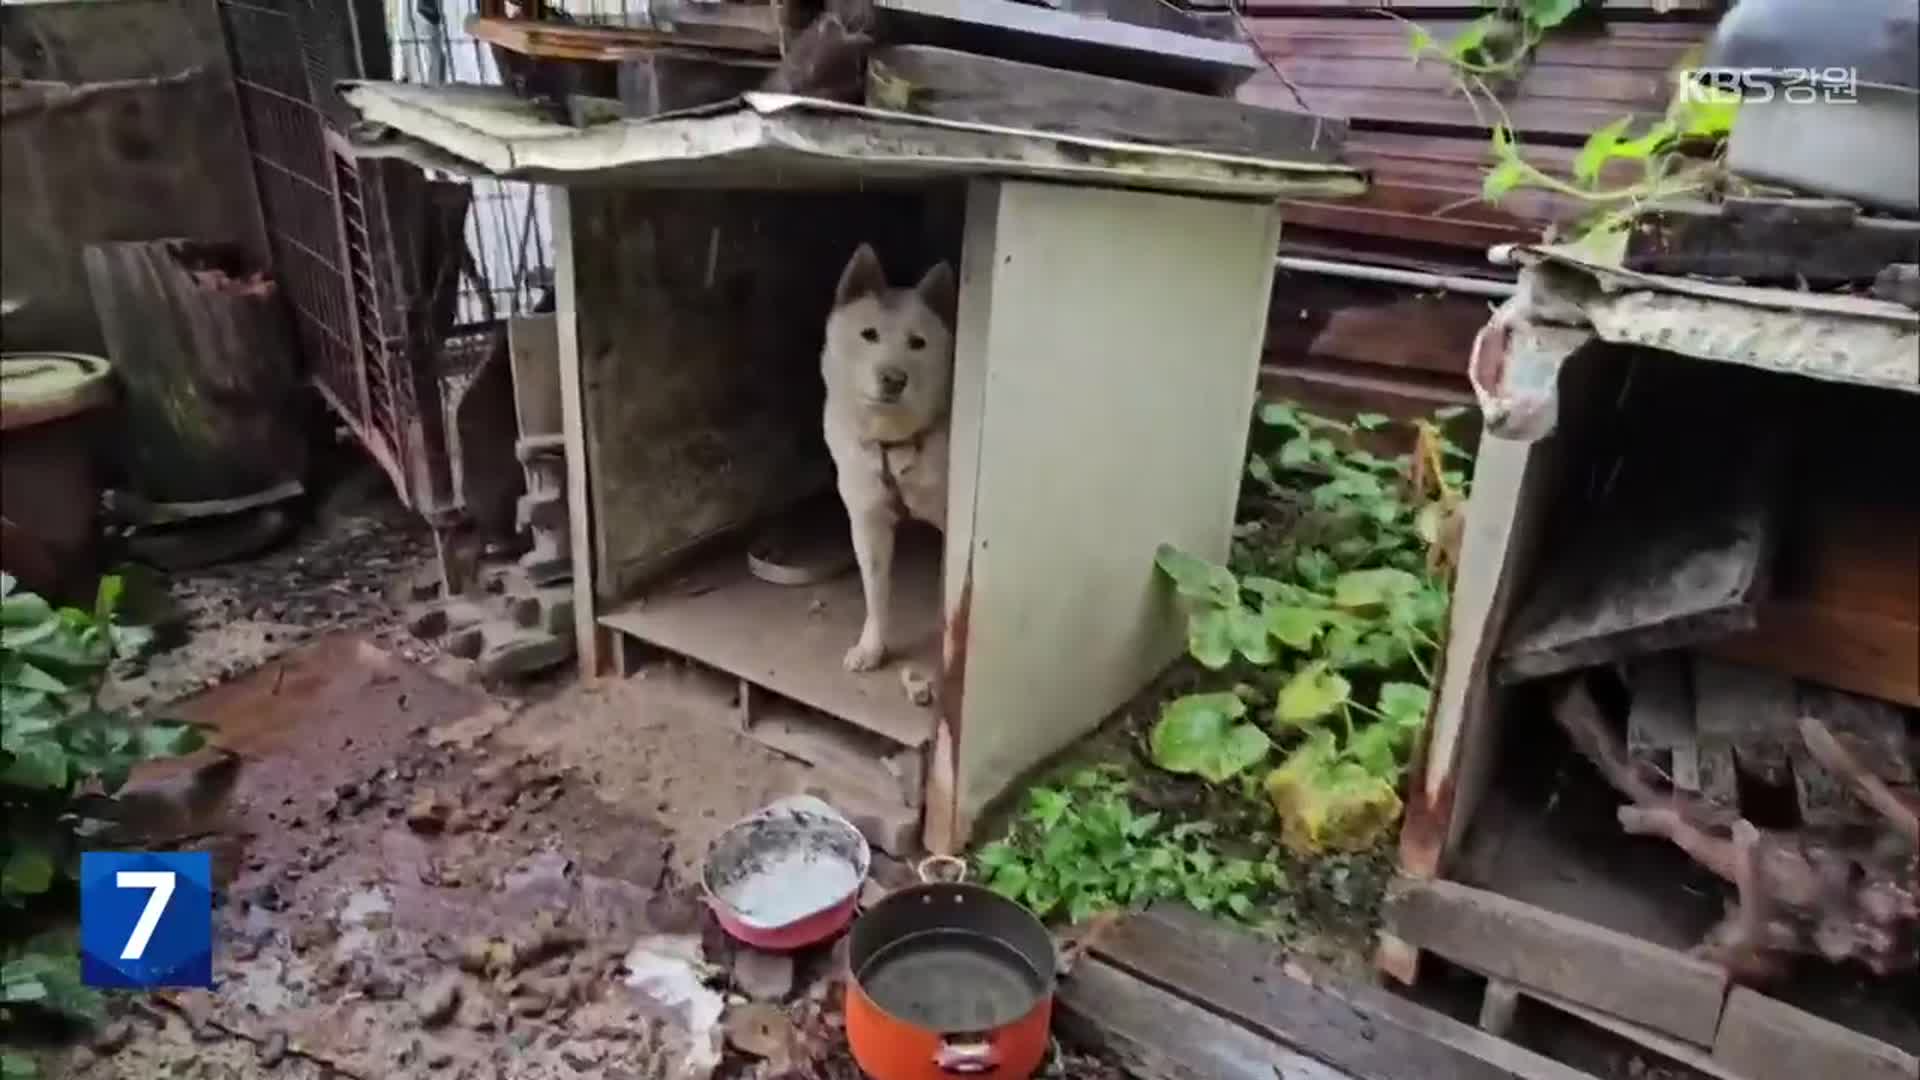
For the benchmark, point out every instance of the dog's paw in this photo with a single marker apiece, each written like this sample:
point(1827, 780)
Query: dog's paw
point(864, 656)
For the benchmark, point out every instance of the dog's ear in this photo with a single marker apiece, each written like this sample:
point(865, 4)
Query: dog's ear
point(863, 276)
point(939, 292)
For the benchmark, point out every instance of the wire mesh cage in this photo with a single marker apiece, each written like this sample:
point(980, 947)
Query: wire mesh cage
point(507, 231)
point(399, 280)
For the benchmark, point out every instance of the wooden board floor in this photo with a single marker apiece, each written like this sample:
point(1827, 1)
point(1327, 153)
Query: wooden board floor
point(790, 639)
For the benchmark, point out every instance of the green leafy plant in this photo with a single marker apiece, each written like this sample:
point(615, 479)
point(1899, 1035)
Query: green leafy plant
point(58, 742)
point(40, 978)
point(1333, 649)
point(1082, 846)
point(1679, 154)
point(1202, 734)
point(1498, 44)
point(58, 738)
point(44, 974)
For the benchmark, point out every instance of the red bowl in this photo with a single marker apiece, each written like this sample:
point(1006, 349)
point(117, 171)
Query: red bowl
point(786, 877)
point(810, 930)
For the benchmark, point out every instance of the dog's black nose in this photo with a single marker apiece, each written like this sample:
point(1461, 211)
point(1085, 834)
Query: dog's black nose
point(892, 381)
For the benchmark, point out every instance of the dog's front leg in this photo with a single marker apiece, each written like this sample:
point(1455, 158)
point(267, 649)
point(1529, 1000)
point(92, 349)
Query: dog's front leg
point(873, 550)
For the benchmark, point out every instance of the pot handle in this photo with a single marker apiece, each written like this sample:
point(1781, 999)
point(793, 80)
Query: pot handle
point(943, 869)
point(966, 1058)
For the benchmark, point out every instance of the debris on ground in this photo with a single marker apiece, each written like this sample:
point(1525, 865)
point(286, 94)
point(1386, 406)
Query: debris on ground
point(437, 999)
point(671, 970)
point(336, 576)
point(917, 685)
point(763, 976)
point(417, 879)
point(764, 1031)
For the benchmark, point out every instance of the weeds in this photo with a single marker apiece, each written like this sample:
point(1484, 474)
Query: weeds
point(1678, 155)
point(1082, 847)
point(1333, 649)
point(1270, 791)
point(58, 743)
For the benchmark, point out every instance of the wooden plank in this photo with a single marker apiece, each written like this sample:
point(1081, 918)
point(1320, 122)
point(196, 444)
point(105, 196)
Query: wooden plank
point(662, 82)
point(1505, 520)
point(791, 639)
point(1857, 651)
point(1079, 288)
point(1779, 241)
point(1158, 1036)
point(533, 346)
point(564, 41)
point(1753, 710)
point(1846, 613)
point(587, 635)
point(953, 85)
point(1351, 388)
point(1874, 734)
point(1660, 727)
point(1869, 654)
point(1157, 14)
point(1155, 1035)
point(1372, 1035)
point(1426, 187)
point(1693, 1057)
point(1617, 973)
point(1498, 1007)
point(1065, 40)
point(1432, 103)
point(836, 747)
point(1394, 211)
point(1763, 1039)
point(1314, 317)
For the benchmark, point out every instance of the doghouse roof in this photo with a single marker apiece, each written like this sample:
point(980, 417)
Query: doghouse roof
point(775, 140)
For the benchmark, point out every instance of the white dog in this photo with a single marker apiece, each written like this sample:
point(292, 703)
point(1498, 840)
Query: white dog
point(888, 364)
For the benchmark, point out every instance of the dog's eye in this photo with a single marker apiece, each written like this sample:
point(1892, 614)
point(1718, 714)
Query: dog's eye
point(916, 342)
point(870, 334)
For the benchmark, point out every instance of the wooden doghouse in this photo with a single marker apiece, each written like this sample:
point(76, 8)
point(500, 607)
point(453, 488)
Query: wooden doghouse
point(1718, 538)
point(1112, 304)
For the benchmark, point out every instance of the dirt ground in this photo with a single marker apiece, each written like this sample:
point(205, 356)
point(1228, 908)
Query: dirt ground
point(419, 878)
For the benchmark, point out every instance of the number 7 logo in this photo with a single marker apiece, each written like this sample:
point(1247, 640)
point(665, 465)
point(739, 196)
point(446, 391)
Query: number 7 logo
point(161, 882)
point(146, 919)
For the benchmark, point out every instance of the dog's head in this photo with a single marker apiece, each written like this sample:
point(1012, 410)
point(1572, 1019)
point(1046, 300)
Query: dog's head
point(890, 351)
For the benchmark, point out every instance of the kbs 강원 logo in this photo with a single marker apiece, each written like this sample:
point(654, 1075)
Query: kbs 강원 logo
point(146, 919)
point(1801, 86)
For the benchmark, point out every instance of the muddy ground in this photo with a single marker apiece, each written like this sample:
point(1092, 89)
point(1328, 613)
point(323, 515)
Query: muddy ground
point(420, 878)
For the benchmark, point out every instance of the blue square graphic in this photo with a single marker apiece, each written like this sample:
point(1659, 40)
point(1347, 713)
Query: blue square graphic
point(146, 919)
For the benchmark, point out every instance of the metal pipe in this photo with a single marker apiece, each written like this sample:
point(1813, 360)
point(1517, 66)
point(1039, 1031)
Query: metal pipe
point(1388, 275)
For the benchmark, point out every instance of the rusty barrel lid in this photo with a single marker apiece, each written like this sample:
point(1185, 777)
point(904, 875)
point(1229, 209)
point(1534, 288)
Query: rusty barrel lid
point(39, 387)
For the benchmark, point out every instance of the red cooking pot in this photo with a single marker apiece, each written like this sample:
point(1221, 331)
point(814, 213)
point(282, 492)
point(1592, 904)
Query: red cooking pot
point(949, 980)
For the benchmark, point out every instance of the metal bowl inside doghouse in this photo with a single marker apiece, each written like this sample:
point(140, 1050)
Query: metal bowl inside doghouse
point(788, 876)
